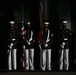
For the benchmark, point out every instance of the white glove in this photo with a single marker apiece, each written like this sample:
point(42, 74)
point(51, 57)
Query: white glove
point(10, 47)
point(24, 47)
point(63, 43)
point(29, 43)
point(11, 44)
point(46, 45)
point(62, 46)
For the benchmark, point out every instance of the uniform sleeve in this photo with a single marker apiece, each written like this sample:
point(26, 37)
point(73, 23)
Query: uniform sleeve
point(69, 37)
point(51, 38)
point(33, 40)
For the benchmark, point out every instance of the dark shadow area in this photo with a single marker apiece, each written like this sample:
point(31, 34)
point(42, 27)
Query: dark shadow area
point(7, 14)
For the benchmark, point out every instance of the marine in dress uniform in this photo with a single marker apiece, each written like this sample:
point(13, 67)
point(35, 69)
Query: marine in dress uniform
point(64, 40)
point(45, 47)
point(29, 49)
point(12, 51)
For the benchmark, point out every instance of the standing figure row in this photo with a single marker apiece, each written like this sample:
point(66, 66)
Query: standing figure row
point(45, 45)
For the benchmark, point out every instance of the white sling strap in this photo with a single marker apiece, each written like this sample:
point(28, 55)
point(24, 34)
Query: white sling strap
point(31, 36)
point(48, 36)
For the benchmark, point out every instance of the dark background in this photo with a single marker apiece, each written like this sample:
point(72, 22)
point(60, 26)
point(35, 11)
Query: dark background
point(11, 10)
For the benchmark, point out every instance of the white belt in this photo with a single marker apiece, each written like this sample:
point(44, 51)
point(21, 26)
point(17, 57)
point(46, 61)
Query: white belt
point(13, 39)
point(65, 39)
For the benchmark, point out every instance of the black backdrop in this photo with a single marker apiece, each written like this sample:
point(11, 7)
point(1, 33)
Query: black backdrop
point(6, 14)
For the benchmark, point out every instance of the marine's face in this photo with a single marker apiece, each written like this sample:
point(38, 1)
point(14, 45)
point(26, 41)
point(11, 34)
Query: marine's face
point(46, 28)
point(61, 27)
point(28, 26)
